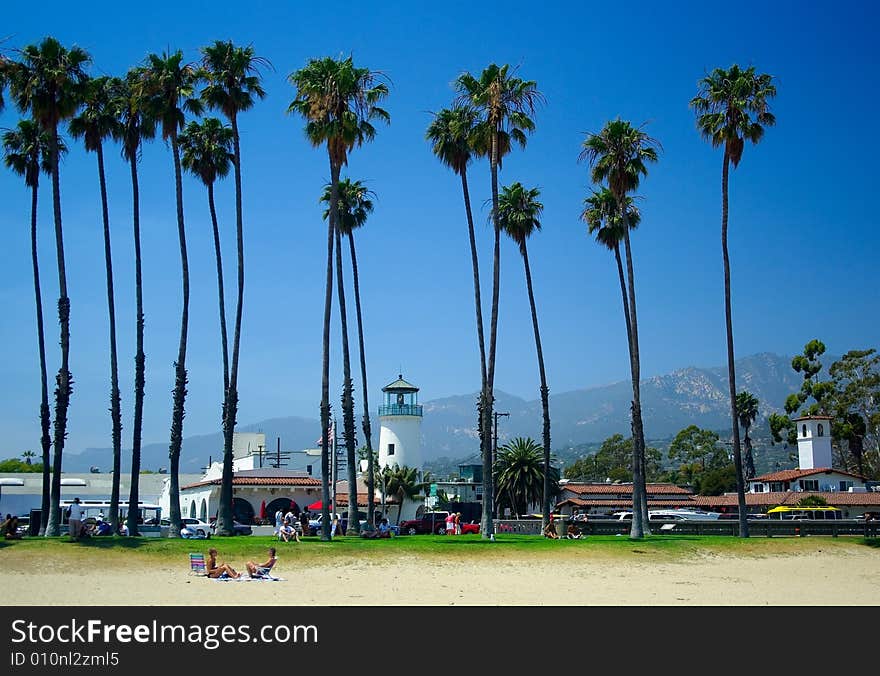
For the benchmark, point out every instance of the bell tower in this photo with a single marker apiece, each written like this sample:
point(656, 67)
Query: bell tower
point(814, 441)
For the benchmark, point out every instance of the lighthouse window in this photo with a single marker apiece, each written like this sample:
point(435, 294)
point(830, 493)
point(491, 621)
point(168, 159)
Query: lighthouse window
point(390, 449)
point(804, 430)
point(400, 399)
point(821, 431)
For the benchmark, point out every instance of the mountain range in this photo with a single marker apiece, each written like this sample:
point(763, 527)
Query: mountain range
point(688, 396)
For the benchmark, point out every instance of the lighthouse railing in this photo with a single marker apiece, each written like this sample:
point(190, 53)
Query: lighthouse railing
point(401, 409)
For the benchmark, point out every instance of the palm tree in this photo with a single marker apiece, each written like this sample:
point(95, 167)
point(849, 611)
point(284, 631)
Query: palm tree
point(27, 455)
point(520, 475)
point(403, 483)
point(747, 411)
point(206, 153)
point(27, 151)
point(732, 106)
point(169, 84)
point(602, 216)
point(618, 154)
point(96, 122)
point(136, 124)
point(505, 103)
point(519, 212)
point(452, 135)
point(233, 84)
point(48, 84)
point(354, 205)
point(339, 102)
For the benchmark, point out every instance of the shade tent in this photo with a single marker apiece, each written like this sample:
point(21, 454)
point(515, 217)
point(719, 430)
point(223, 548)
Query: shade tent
point(263, 509)
point(315, 506)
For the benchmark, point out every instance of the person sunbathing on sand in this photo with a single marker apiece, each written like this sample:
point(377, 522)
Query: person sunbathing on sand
point(218, 569)
point(258, 569)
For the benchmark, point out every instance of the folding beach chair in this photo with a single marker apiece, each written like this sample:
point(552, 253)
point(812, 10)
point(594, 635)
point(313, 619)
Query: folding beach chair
point(197, 564)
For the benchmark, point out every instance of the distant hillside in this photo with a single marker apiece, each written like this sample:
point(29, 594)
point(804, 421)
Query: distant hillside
point(670, 402)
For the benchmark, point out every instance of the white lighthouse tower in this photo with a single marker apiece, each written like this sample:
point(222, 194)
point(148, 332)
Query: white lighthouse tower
point(400, 423)
point(814, 441)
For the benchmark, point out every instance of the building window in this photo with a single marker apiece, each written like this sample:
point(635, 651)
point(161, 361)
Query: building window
point(804, 430)
point(759, 488)
point(809, 484)
point(821, 431)
point(390, 449)
point(845, 485)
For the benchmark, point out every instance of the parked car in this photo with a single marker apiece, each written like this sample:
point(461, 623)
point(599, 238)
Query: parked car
point(237, 528)
point(430, 522)
point(315, 523)
point(472, 527)
point(195, 526)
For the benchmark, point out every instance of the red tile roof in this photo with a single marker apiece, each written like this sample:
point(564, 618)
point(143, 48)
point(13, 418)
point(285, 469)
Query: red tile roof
point(623, 504)
point(790, 498)
point(342, 500)
point(835, 499)
point(307, 481)
point(624, 489)
point(792, 474)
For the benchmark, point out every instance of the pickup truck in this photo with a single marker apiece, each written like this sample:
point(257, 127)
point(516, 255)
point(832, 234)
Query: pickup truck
point(431, 522)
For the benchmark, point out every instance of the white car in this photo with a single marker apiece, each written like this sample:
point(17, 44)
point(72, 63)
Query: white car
point(195, 526)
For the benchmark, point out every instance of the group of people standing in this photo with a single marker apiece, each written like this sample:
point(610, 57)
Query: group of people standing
point(453, 523)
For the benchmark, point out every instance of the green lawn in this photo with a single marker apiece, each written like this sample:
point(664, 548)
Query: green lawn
point(124, 551)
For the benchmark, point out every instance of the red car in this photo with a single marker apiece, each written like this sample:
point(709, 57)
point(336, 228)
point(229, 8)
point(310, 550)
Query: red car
point(473, 528)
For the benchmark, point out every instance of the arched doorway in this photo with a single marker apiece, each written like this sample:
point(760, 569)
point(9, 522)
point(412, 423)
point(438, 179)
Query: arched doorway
point(203, 512)
point(242, 511)
point(284, 504)
point(192, 510)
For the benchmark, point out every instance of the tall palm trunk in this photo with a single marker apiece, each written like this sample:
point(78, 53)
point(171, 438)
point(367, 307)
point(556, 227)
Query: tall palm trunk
point(115, 412)
point(731, 374)
point(639, 524)
point(478, 303)
point(325, 356)
point(347, 399)
point(487, 528)
point(483, 417)
point(45, 439)
point(221, 293)
point(750, 458)
point(629, 339)
point(230, 407)
point(139, 357)
point(63, 381)
point(224, 509)
point(371, 489)
point(545, 391)
point(179, 396)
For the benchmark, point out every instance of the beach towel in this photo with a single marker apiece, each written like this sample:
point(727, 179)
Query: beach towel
point(245, 578)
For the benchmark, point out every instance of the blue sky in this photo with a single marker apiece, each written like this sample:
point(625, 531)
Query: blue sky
point(802, 228)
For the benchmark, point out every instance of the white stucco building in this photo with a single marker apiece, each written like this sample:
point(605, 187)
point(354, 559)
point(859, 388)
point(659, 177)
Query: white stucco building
point(253, 483)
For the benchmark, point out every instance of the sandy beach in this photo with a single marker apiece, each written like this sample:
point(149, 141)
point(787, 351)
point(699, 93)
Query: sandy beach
point(816, 574)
